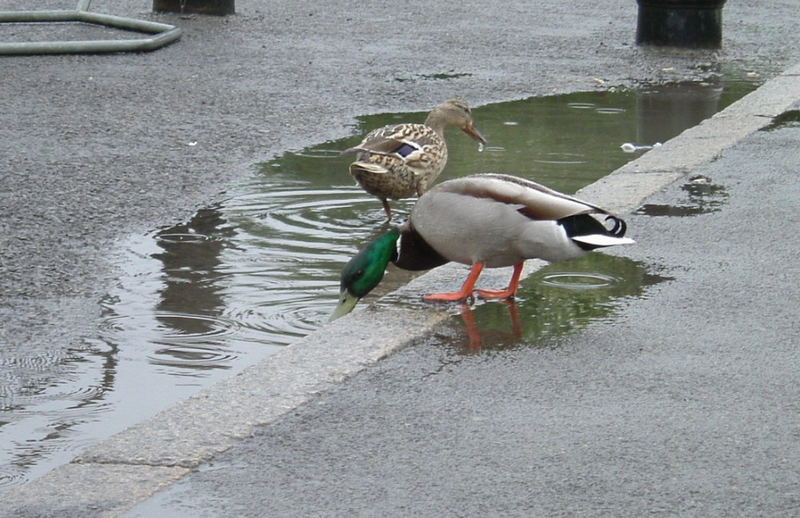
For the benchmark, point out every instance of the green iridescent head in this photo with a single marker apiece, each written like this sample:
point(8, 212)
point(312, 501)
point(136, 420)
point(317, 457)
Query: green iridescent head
point(365, 271)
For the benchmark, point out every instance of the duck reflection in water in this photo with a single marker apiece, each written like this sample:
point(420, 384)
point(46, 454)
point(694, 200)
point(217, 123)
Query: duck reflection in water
point(475, 342)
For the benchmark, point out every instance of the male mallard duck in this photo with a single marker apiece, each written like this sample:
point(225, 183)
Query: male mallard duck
point(483, 220)
point(401, 160)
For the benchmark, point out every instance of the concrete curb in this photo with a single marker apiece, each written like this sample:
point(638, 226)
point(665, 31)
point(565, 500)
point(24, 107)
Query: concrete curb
point(127, 468)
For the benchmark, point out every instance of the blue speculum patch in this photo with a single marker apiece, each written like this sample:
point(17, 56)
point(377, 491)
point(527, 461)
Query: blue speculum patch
point(405, 149)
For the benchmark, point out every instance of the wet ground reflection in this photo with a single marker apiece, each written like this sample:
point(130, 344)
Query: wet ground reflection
point(789, 118)
point(248, 276)
point(702, 197)
point(188, 313)
point(555, 301)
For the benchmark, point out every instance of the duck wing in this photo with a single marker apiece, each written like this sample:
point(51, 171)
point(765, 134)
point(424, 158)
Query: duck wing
point(405, 141)
point(535, 200)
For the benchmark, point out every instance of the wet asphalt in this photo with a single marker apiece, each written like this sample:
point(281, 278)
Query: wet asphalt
point(684, 403)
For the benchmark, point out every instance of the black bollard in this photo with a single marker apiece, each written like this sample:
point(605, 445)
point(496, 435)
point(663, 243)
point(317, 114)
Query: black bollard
point(680, 23)
point(216, 7)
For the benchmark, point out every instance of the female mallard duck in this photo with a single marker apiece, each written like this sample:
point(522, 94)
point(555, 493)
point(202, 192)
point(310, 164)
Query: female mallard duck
point(483, 220)
point(402, 160)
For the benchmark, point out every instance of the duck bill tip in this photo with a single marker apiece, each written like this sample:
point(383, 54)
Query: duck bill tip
point(473, 132)
point(346, 304)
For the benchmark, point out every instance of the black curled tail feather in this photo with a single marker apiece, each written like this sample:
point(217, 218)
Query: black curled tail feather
point(619, 228)
point(585, 225)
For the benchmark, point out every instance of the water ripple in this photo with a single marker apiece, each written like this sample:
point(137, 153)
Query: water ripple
point(562, 158)
point(178, 339)
point(12, 475)
point(579, 280)
point(610, 111)
point(181, 238)
point(284, 321)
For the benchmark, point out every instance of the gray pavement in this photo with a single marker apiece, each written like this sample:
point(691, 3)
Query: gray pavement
point(683, 404)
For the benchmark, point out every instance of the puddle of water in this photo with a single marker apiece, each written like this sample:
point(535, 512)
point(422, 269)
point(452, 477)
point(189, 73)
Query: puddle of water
point(790, 118)
point(556, 301)
point(702, 197)
point(246, 277)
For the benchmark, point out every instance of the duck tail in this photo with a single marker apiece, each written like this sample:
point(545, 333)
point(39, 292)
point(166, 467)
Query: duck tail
point(592, 241)
point(589, 233)
point(619, 226)
point(362, 167)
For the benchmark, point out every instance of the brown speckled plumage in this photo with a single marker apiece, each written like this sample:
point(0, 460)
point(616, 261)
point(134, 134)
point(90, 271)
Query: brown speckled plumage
point(403, 160)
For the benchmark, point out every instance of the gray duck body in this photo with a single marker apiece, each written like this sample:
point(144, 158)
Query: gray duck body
point(501, 220)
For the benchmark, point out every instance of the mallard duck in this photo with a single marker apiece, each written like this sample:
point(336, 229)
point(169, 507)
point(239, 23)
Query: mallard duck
point(483, 220)
point(403, 160)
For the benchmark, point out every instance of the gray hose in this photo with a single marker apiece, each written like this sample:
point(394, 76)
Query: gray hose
point(163, 33)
